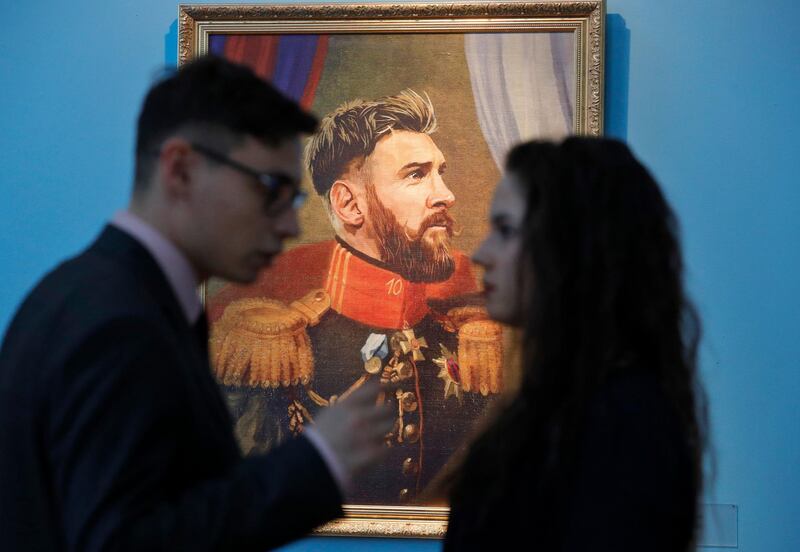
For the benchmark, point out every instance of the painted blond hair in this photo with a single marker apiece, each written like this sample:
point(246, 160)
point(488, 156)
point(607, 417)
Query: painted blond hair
point(353, 129)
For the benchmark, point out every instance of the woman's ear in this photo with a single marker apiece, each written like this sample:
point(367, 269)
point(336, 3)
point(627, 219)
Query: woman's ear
point(345, 203)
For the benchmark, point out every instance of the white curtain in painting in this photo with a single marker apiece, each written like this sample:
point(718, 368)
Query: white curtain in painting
point(523, 85)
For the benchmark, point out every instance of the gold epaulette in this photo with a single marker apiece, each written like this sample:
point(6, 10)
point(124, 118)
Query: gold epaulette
point(313, 305)
point(263, 342)
point(480, 349)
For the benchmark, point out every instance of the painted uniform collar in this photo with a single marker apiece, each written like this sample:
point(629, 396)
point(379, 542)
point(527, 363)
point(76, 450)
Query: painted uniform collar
point(367, 291)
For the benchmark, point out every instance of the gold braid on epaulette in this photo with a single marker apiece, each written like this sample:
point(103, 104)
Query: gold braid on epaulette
point(480, 349)
point(263, 342)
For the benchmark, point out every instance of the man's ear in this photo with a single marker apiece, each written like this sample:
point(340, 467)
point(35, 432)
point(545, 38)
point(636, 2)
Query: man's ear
point(345, 203)
point(174, 164)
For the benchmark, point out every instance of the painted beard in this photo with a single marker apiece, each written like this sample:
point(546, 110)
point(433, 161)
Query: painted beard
point(415, 257)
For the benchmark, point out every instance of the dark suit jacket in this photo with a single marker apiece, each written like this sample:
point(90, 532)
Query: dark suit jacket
point(113, 435)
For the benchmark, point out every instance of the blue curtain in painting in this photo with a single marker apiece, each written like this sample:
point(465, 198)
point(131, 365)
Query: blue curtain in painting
point(523, 85)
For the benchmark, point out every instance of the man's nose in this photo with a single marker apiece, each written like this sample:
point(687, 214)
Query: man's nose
point(287, 224)
point(441, 195)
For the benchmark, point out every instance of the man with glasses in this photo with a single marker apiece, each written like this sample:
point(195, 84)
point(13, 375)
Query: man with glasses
point(113, 434)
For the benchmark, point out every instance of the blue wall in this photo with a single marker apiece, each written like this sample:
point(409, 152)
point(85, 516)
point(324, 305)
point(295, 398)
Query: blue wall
point(705, 92)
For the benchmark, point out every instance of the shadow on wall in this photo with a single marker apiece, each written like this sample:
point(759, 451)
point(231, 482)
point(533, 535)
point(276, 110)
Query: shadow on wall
point(618, 54)
point(171, 46)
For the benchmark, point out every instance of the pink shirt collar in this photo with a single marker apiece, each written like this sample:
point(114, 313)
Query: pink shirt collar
point(170, 259)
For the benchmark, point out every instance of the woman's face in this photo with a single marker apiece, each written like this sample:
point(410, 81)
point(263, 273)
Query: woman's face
point(500, 252)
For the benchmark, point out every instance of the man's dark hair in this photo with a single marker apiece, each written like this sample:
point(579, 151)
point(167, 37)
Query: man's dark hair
point(217, 102)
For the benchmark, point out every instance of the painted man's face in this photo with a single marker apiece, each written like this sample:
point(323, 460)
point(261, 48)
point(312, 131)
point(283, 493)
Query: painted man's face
point(408, 203)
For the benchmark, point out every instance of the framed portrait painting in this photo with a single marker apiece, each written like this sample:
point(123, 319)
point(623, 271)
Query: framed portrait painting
point(418, 104)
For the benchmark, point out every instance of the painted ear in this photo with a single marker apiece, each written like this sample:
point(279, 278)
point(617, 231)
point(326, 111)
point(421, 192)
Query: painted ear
point(344, 203)
point(174, 162)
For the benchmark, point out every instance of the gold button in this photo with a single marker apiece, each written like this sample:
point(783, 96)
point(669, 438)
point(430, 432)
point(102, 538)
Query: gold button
point(410, 467)
point(409, 401)
point(411, 433)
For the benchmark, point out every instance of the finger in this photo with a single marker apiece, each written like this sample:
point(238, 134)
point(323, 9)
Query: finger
point(371, 408)
point(364, 394)
point(373, 418)
point(367, 456)
point(389, 387)
point(372, 415)
point(376, 433)
point(377, 427)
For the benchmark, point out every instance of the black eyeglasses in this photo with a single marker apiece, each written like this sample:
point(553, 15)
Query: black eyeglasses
point(282, 191)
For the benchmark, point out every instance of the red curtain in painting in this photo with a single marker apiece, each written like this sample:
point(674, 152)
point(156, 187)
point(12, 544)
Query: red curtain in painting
point(292, 63)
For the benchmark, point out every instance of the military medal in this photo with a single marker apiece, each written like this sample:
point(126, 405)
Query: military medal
point(449, 372)
point(375, 345)
point(412, 344)
point(375, 348)
point(373, 365)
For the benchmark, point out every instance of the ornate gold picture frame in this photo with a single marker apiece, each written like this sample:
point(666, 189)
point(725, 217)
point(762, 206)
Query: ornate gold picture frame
point(495, 73)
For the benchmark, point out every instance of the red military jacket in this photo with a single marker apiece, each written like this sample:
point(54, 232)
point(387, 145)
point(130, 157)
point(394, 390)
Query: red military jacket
point(437, 400)
point(354, 281)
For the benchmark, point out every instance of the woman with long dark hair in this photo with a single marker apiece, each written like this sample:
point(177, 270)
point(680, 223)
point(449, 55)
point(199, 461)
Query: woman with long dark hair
point(601, 447)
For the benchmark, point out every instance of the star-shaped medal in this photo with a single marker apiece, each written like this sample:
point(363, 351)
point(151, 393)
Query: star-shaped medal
point(449, 372)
